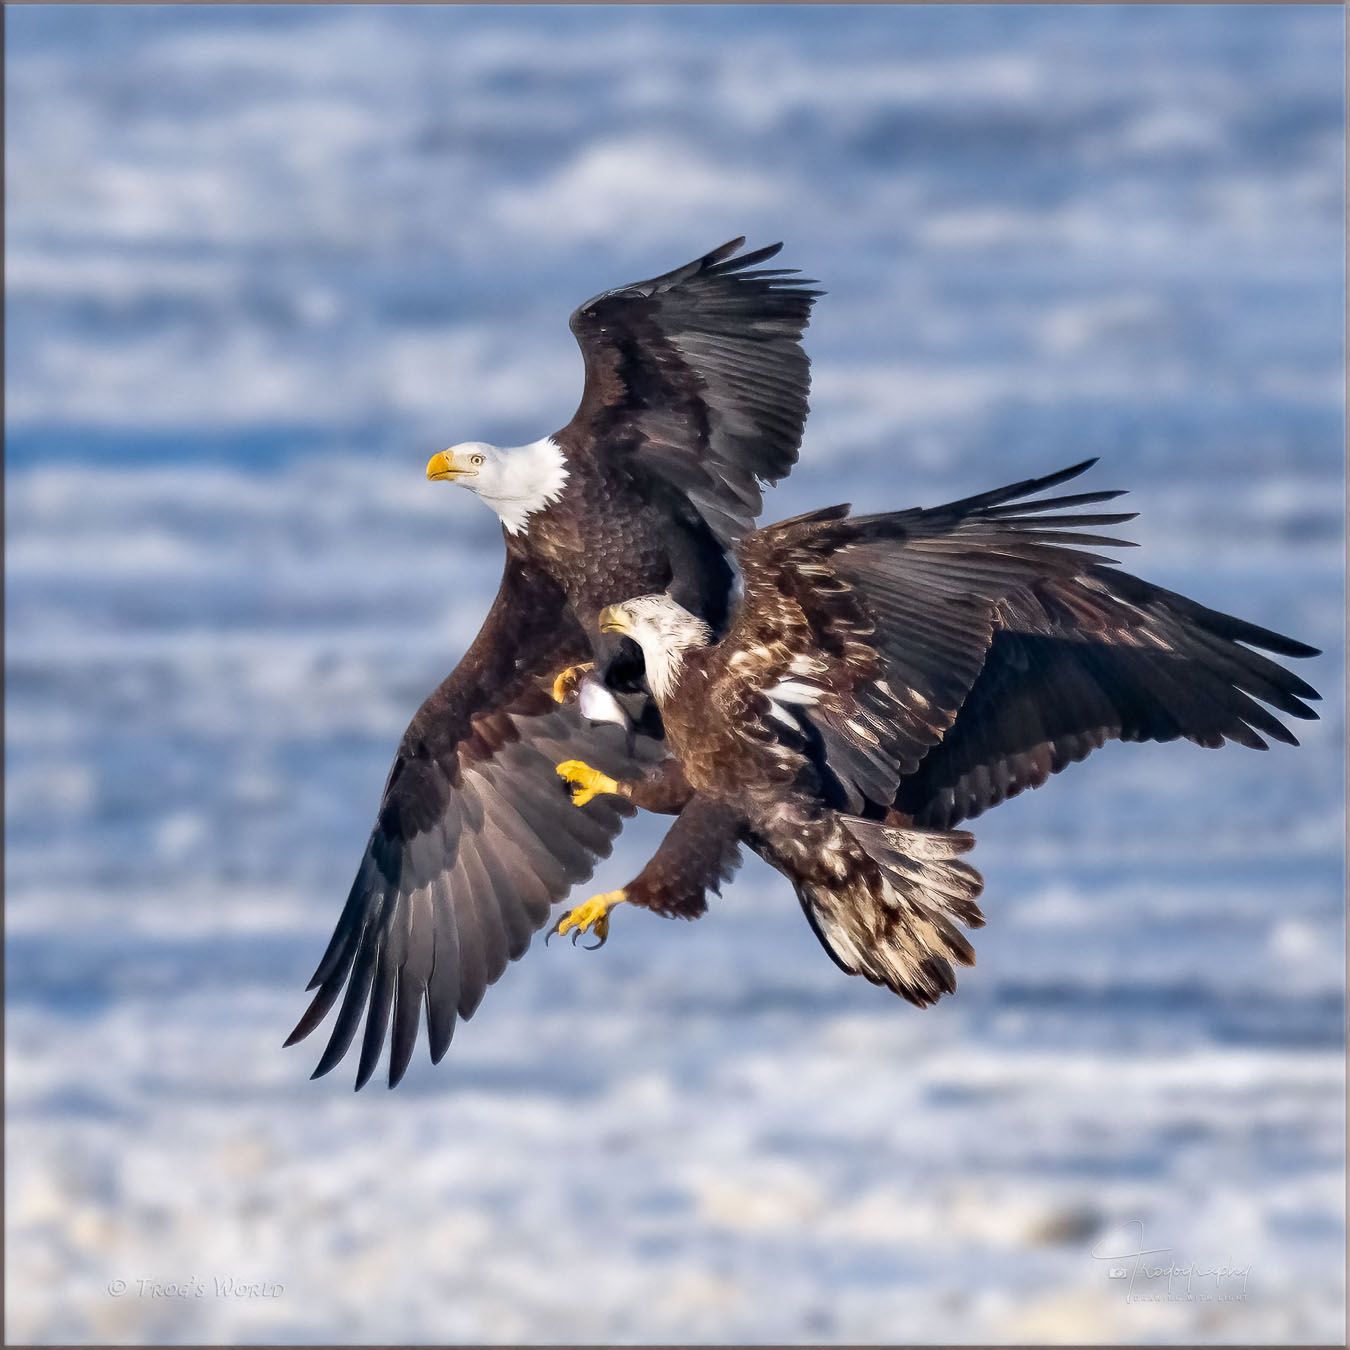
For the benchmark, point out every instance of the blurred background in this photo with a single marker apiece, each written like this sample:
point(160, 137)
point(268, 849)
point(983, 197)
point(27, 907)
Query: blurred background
point(260, 263)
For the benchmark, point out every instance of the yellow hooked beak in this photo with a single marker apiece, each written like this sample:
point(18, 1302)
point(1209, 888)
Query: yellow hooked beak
point(442, 465)
point(613, 619)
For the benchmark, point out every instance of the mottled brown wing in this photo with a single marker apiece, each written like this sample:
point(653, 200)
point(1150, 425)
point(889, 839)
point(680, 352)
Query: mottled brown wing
point(699, 377)
point(475, 839)
point(876, 627)
point(1079, 661)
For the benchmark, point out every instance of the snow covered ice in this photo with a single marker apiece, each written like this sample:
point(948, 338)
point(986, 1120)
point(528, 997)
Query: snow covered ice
point(262, 262)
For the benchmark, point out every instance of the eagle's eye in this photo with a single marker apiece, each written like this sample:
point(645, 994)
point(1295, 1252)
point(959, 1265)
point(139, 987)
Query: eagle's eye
point(476, 461)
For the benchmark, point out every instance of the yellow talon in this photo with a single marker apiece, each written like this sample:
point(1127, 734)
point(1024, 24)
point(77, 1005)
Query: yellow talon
point(567, 681)
point(584, 782)
point(592, 917)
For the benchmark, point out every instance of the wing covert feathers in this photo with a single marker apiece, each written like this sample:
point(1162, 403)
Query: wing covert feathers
point(966, 651)
point(1103, 656)
point(892, 614)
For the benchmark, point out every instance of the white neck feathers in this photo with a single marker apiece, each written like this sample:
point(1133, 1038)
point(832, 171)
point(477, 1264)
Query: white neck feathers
point(529, 478)
point(667, 633)
point(663, 666)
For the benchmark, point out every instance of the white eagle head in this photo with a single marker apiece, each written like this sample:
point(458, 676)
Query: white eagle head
point(515, 481)
point(664, 630)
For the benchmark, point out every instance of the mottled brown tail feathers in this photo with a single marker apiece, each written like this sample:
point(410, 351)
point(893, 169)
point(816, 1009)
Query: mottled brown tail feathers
point(897, 925)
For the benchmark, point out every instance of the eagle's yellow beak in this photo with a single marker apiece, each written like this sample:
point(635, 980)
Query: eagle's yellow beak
point(613, 619)
point(442, 465)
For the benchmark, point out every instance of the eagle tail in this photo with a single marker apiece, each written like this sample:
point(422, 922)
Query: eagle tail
point(897, 924)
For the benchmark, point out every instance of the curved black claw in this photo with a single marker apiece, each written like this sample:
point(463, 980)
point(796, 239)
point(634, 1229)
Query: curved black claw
point(591, 917)
point(576, 934)
point(601, 937)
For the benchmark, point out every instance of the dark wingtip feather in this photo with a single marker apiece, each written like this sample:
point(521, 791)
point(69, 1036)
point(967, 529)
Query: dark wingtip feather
point(1293, 647)
point(1026, 488)
point(377, 1023)
point(349, 1015)
point(1077, 538)
point(440, 1029)
point(1266, 639)
point(1269, 641)
point(314, 1014)
point(1061, 475)
point(1058, 503)
point(400, 1056)
point(1050, 480)
point(408, 1000)
point(763, 273)
point(758, 255)
point(724, 251)
point(298, 1034)
point(1093, 518)
point(336, 1048)
point(338, 953)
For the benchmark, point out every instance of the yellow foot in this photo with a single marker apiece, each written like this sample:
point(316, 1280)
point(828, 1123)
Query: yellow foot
point(592, 917)
point(584, 782)
point(568, 681)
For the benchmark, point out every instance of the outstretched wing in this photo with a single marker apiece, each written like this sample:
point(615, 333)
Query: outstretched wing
point(475, 839)
point(874, 628)
point(699, 377)
point(1077, 662)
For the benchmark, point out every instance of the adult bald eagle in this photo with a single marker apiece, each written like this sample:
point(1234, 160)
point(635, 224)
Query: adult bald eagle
point(695, 398)
point(887, 676)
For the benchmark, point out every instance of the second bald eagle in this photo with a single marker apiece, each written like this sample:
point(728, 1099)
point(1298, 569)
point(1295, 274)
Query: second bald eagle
point(887, 676)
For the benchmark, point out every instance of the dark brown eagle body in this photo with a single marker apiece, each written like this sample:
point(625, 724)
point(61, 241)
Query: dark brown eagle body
point(650, 540)
point(884, 900)
point(695, 400)
point(885, 677)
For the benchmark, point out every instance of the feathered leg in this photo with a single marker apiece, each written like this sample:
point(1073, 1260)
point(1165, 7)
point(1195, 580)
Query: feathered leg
point(701, 850)
point(663, 790)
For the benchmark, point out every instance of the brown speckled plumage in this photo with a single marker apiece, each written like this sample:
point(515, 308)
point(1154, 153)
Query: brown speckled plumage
point(886, 676)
